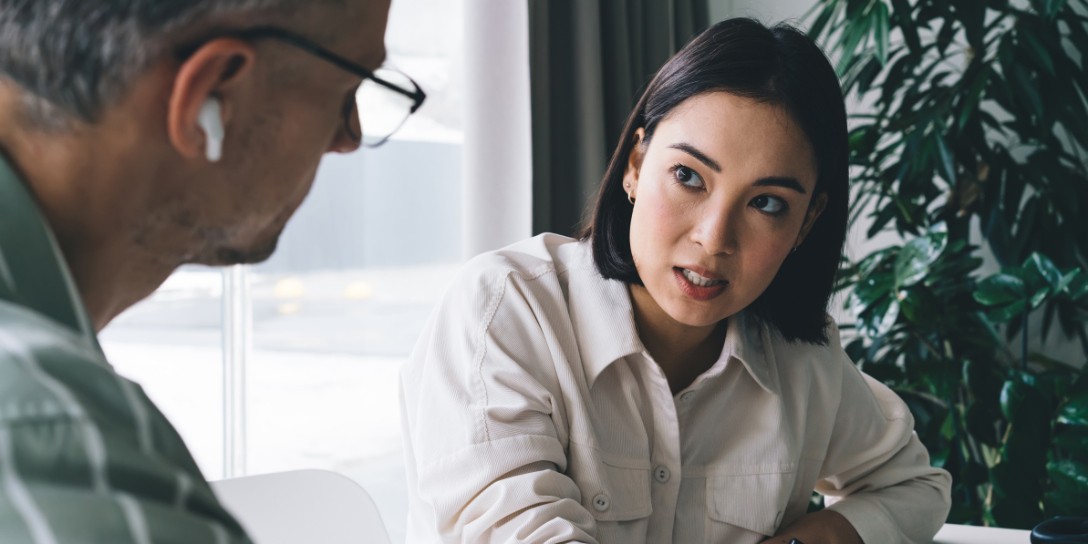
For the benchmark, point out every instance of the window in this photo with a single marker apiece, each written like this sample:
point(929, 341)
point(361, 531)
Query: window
point(339, 306)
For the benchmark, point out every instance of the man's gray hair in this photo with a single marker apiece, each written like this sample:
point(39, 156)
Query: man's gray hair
point(72, 58)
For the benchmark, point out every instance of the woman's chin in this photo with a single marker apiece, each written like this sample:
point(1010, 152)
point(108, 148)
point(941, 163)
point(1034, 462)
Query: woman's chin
point(698, 317)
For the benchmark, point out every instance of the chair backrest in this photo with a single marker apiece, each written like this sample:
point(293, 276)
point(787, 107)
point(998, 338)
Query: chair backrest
point(303, 506)
point(965, 534)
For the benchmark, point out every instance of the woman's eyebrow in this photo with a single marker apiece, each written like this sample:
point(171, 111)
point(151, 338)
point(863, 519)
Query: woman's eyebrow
point(774, 181)
point(690, 150)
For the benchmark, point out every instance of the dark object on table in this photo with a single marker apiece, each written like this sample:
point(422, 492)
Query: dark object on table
point(1073, 530)
point(795, 541)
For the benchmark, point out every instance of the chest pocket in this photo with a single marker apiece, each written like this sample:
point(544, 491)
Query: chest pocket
point(612, 489)
point(756, 502)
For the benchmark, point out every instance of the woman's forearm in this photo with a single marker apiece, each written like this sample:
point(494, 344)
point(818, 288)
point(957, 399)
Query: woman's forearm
point(823, 527)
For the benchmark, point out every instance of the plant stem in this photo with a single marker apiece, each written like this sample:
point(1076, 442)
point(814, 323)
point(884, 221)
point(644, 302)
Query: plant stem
point(1024, 337)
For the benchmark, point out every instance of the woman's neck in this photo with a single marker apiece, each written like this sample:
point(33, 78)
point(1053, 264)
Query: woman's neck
point(682, 351)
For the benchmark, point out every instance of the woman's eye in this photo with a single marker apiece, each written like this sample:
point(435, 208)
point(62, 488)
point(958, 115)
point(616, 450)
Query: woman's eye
point(769, 204)
point(687, 176)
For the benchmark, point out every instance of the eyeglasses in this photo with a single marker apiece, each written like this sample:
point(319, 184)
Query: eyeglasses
point(383, 101)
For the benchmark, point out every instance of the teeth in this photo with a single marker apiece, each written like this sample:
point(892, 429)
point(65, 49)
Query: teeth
point(698, 280)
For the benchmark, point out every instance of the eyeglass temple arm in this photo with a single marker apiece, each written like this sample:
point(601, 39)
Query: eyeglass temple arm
point(417, 96)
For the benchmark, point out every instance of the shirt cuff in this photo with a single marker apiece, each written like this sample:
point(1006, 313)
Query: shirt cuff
point(869, 519)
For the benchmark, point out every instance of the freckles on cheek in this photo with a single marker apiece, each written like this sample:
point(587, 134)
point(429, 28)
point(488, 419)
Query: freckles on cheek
point(665, 221)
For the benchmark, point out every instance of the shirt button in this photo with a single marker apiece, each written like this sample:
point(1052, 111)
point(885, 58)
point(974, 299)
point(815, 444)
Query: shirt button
point(686, 397)
point(661, 474)
point(601, 502)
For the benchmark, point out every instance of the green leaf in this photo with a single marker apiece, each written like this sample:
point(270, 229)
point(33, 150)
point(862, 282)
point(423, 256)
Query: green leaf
point(914, 260)
point(1039, 264)
point(1078, 288)
point(818, 26)
point(919, 305)
point(1011, 481)
point(1067, 279)
point(1000, 289)
point(948, 166)
point(1005, 313)
point(980, 421)
point(983, 382)
point(1070, 476)
point(974, 95)
point(1039, 297)
point(1022, 82)
point(1062, 503)
point(1023, 404)
point(1036, 50)
point(1075, 412)
point(880, 31)
point(870, 290)
point(884, 321)
point(1073, 439)
point(907, 25)
point(1053, 7)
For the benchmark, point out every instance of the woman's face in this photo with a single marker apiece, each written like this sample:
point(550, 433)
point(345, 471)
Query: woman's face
point(723, 194)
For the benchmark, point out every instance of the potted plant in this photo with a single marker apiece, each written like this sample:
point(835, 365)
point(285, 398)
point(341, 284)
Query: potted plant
point(973, 111)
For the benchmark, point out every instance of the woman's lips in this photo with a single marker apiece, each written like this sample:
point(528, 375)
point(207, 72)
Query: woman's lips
point(693, 291)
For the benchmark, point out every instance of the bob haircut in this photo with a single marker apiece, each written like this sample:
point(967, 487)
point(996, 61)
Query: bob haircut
point(780, 65)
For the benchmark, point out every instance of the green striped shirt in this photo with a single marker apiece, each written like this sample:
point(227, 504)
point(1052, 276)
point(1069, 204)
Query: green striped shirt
point(85, 457)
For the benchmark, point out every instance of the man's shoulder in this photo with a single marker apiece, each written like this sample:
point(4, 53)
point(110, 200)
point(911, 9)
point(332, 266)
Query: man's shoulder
point(36, 351)
point(25, 332)
point(89, 449)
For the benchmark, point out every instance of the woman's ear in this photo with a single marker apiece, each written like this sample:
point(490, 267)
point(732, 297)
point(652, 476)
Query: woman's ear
point(815, 208)
point(634, 161)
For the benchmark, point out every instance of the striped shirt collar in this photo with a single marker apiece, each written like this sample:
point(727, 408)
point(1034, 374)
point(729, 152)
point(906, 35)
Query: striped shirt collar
point(604, 325)
point(33, 272)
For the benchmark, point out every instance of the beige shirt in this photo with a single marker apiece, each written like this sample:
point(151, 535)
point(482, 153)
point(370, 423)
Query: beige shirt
point(534, 414)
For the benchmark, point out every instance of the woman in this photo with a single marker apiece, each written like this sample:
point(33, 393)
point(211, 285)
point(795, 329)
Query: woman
point(673, 375)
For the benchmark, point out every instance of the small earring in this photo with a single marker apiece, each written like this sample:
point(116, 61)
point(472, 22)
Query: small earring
point(628, 185)
point(794, 250)
point(631, 197)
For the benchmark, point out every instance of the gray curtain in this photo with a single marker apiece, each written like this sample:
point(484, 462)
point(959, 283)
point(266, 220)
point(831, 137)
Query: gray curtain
point(589, 61)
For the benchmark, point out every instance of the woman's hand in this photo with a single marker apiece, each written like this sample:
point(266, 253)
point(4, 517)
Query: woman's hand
point(823, 527)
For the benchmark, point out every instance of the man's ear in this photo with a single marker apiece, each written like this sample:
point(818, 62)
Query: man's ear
point(219, 69)
point(634, 161)
point(815, 208)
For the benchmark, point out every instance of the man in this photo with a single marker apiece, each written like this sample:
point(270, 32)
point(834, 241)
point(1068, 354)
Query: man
point(137, 136)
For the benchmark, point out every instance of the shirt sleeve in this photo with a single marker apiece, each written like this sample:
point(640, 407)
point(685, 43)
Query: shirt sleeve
point(484, 425)
point(86, 458)
point(877, 472)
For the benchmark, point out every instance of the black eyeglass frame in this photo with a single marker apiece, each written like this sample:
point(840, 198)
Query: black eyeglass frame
point(281, 34)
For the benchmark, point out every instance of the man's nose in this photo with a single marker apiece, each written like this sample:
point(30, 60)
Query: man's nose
point(345, 140)
point(716, 230)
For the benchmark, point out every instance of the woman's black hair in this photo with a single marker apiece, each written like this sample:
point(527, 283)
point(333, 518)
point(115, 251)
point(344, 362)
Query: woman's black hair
point(780, 65)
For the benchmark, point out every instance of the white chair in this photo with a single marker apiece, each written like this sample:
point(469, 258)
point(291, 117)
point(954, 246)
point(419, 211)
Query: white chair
point(303, 506)
point(966, 534)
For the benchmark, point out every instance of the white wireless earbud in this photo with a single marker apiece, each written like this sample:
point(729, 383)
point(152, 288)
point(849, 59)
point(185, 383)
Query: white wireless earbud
point(211, 120)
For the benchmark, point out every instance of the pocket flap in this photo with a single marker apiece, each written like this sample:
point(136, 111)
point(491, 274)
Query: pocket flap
point(613, 490)
point(755, 502)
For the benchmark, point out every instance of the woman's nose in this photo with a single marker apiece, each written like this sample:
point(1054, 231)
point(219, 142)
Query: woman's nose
point(715, 231)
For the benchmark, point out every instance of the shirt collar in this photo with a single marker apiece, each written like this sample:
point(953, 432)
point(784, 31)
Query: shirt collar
point(33, 273)
point(747, 341)
point(601, 314)
point(604, 326)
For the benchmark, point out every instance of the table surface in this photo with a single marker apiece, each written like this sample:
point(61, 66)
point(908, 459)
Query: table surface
point(965, 534)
